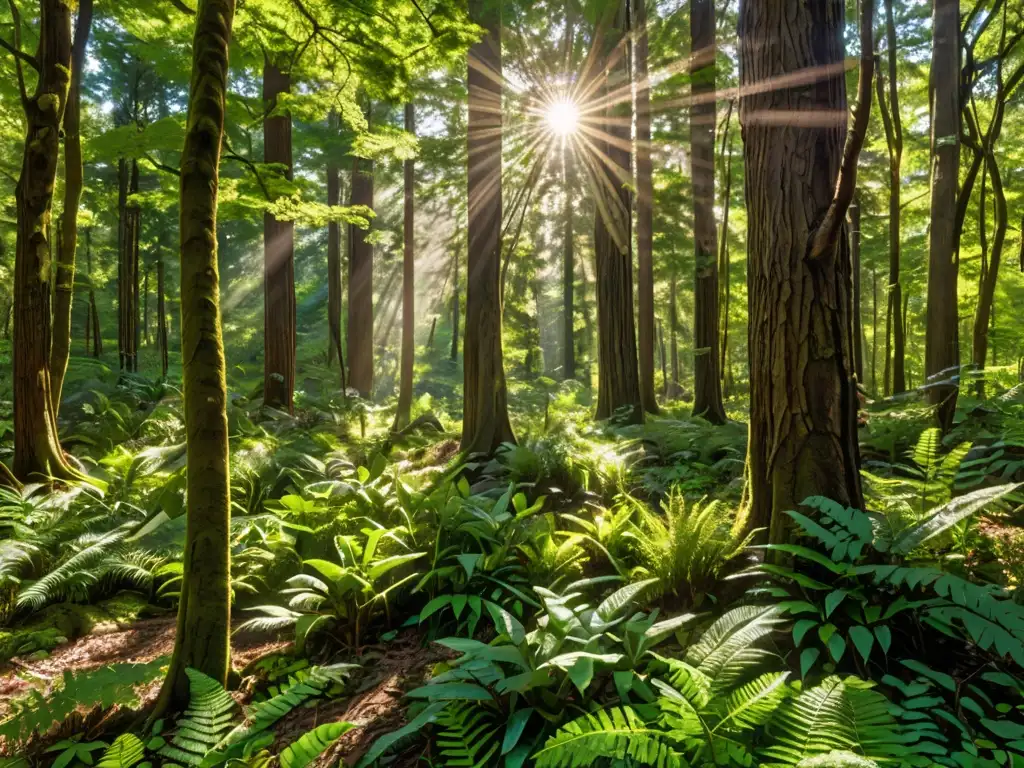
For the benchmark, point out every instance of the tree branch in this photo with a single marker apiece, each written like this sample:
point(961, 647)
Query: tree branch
point(31, 60)
point(182, 7)
point(824, 239)
point(17, 49)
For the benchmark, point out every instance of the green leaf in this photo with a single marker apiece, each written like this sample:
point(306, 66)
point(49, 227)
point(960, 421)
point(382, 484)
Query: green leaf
point(469, 561)
point(807, 658)
point(451, 692)
point(884, 636)
point(836, 647)
point(948, 515)
point(514, 730)
point(832, 601)
point(801, 628)
point(863, 640)
point(312, 744)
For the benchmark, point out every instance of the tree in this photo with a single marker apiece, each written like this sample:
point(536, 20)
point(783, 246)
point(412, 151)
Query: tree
point(942, 356)
point(803, 403)
point(707, 384)
point(130, 218)
point(37, 451)
point(64, 284)
point(334, 260)
point(360, 285)
point(161, 319)
point(403, 414)
point(618, 380)
point(278, 251)
point(485, 423)
point(204, 612)
point(645, 213)
point(568, 245)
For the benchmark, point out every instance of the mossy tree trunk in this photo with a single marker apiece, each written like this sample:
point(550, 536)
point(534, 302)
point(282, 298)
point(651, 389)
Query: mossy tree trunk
point(485, 423)
point(278, 253)
point(707, 383)
point(37, 451)
point(644, 212)
point(360, 285)
point(618, 379)
point(404, 412)
point(942, 356)
point(803, 404)
point(204, 612)
point(64, 284)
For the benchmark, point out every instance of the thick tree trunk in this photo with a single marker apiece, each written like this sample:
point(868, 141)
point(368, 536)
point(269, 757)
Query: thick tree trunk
point(204, 611)
point(803, 414)
point(404, 413)
point(645, 210)
point(37, 451)
point(278, 255)
point(618, 378)
point(485, 424)
point(334, 286)
point(941, 350)
point(64, 285)
point(707, 384)
point(360, 286)
point(984, 315)
point(161, 319)
point(858, 326)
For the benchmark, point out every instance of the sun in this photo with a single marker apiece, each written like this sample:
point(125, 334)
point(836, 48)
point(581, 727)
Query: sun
point(562, 118)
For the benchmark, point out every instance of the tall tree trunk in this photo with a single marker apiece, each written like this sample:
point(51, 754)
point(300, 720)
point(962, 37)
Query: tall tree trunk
point(985, 314)
point(145, 304)
point(128, 242)
point(161, 319)
point(334, 258)
point(645, 210)
point(568, 272)
point(360, 285)
point(707, 384)
point(485, 424)
point(941, 350)
point(618, 378)
point(803, 408)
point(204, 610)
point(37, 451)
point(874, 332)
point(64, 285)
point(673, 325)
point(664, 362)
point(92, 318)
point(278, 254)
point(858, 326)
point(404, 412)
point(724, 287)
point(455, 309)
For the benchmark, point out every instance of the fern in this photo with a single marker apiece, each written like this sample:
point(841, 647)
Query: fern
point(127, 751)
point(727, 652)
point(609, 733)
point(312, 744)
point(836, 716)
point(469, 736)
point(210, 713)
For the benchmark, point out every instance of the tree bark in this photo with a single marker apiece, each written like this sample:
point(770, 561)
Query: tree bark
point(64, 284)
point(858, 326)
point(568, 272)
point(334, 286)
point(455, 306)
point(278, 254)
point(145, 304)
point(204, 611)
point(724, 262)
point(673, 325)
point(161, 319)
point(707, 384)
point(485, 423)
point(941, 350)
point(131, 220)
point(360, 285)
point(984, 314)
point(404, 412)
point(37, 451)
point(803, 414)
point(645, 210)
point(618, 378)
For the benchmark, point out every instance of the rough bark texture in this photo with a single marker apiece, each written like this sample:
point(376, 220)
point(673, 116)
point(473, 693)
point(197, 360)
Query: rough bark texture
point(64, 286)
point(618, 379)
point(360, 286)
point(404, 412)
point(645, 208)
point(485, 424)
point(707, 383)
point(201, 640)
point(278, 255)
point(37, 451)
point(334, 286)
point(803, 410)
point(941, 349)
point(161, 319)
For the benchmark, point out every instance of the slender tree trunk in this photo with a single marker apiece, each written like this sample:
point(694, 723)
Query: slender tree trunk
point(161, 319)
point(618, 378)
point(360, 286)
point(941, 353)
point(664, 364)
point(568, 272)
point(586, 348)
point(485, 424)
point(334, 287)
point(130, 217)
point(204, 610)
point(37, 451)
point(985, 315)
point(858, 325)
point(455, 307)
point(404, 412)
point(724, 288)
point(278, 254)
point(673, 324)
point(145, 304)
point(707, 384)
point(644, 212)
point(874, 332)
point(803, 414)
point(64, 285)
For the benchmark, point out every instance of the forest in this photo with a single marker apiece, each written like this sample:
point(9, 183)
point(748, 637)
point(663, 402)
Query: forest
point(511, 383)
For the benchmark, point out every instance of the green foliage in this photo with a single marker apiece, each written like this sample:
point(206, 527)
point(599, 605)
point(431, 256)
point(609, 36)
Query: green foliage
point(608, 733)
point(312, 744)
point(208, 718)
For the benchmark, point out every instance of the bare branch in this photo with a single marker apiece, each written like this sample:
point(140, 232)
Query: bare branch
point(16, 16)
point(182, 7)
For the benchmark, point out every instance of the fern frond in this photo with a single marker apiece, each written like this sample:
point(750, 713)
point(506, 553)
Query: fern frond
point(617, 733)
point(127, 751)
point(727, 652)
point(469, 736)
point(210, 714)
point(75, 571)
point(312, 744)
